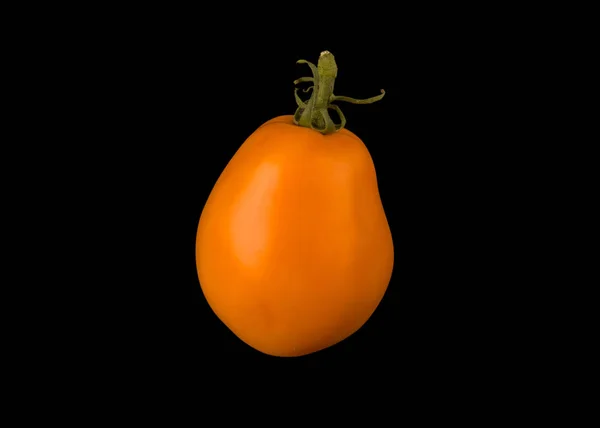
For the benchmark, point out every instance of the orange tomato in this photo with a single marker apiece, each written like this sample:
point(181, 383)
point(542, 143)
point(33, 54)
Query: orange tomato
point(293, 249)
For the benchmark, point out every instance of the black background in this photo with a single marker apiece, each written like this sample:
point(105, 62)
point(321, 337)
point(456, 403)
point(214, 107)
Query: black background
point(153, 106)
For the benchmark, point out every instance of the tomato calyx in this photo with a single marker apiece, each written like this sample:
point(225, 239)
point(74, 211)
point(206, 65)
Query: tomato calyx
point(314, 113)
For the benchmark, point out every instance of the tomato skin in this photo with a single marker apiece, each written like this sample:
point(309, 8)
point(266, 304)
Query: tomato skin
point(293, 249)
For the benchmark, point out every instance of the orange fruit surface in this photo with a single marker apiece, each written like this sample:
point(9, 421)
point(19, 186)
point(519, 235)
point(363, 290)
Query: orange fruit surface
point(293, 248)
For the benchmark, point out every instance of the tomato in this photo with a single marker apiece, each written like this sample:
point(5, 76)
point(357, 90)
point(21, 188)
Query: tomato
point(293, 249)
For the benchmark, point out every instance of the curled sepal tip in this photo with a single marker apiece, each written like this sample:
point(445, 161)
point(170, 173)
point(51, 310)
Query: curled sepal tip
point(357, 101)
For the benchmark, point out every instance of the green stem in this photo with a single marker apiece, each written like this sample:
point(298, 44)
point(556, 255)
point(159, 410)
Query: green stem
point(314, 113)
